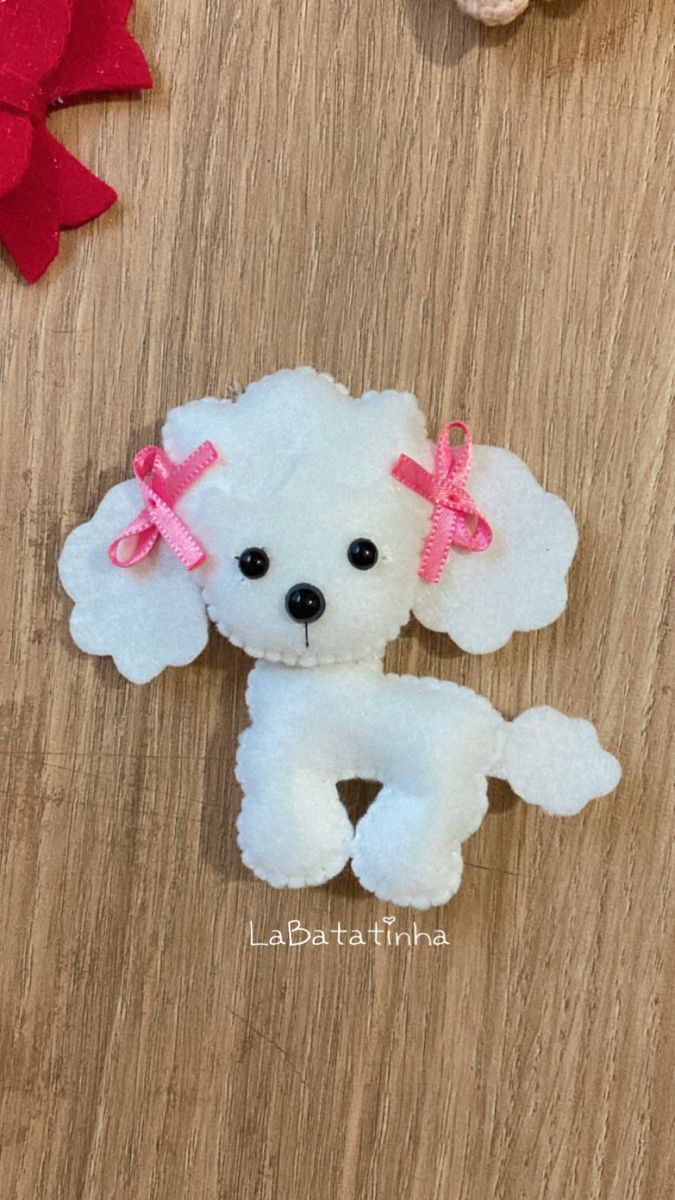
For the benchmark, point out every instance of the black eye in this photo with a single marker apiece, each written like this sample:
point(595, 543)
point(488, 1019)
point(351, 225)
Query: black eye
point(253, 563)
point(362, 554)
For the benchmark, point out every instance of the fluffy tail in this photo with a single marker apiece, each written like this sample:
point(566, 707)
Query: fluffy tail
point(556, 761)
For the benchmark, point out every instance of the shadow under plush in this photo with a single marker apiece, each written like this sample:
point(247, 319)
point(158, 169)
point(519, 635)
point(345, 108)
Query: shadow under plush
point(303, 538)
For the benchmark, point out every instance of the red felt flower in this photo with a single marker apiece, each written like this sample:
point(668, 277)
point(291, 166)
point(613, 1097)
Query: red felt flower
point(53, 51)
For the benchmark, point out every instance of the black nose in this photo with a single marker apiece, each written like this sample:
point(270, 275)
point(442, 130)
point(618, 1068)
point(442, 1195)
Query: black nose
point(305, 603)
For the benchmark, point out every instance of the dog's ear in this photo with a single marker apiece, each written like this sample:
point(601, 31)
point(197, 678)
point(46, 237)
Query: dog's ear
point(150, 615)
point(519, 582)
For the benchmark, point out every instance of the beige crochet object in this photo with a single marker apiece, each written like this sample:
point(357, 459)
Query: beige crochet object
point(494, 12)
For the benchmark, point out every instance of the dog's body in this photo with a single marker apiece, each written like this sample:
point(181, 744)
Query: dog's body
point(306, 529)
point(314, 728)
point(431, 744)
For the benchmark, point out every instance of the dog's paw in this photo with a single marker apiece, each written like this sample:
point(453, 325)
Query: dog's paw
point(286, 852)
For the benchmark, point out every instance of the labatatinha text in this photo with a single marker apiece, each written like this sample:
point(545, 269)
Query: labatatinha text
point(384, 933)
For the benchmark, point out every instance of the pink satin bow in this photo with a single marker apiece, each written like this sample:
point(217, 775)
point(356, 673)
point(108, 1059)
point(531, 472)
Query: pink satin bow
point(456, 521)
point(161, 482)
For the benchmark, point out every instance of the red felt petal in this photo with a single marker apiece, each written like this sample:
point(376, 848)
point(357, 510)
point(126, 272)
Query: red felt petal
point(28, 215)
point(56, 191)
point(101, 55)
point(119, 9)
point(33, 35)
point(16, 140)
point(81, 194)
point(52, 50)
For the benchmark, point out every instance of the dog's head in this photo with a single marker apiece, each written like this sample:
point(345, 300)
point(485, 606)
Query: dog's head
point(312, 546)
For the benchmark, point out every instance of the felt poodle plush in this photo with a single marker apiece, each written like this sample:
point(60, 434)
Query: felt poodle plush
point(494, 12)
point(308, 525)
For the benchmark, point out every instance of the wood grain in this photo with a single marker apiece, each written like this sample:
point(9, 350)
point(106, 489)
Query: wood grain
point(395, 195)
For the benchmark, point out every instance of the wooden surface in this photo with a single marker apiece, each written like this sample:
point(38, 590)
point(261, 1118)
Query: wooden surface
point(386, 191)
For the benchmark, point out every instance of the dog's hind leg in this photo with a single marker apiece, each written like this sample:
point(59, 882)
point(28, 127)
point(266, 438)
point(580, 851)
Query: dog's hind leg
point(404, 854)
point(437, 743)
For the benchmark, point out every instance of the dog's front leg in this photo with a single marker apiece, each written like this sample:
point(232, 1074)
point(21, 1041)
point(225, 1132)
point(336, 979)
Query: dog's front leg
point(293, 830)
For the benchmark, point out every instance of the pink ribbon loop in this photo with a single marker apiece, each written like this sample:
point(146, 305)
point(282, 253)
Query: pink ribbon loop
point(160, 483)
point(456, 520)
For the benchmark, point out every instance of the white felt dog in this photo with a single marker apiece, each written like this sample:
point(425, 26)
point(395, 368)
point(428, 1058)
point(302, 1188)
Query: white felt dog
point(308, 526)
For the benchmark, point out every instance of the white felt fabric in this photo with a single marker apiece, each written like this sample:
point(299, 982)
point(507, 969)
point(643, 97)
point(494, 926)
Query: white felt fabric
point(557, 762)
point(295, 420)
point(518, 583)
point(304, 470)
point(147, 617)
point(431, 745)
